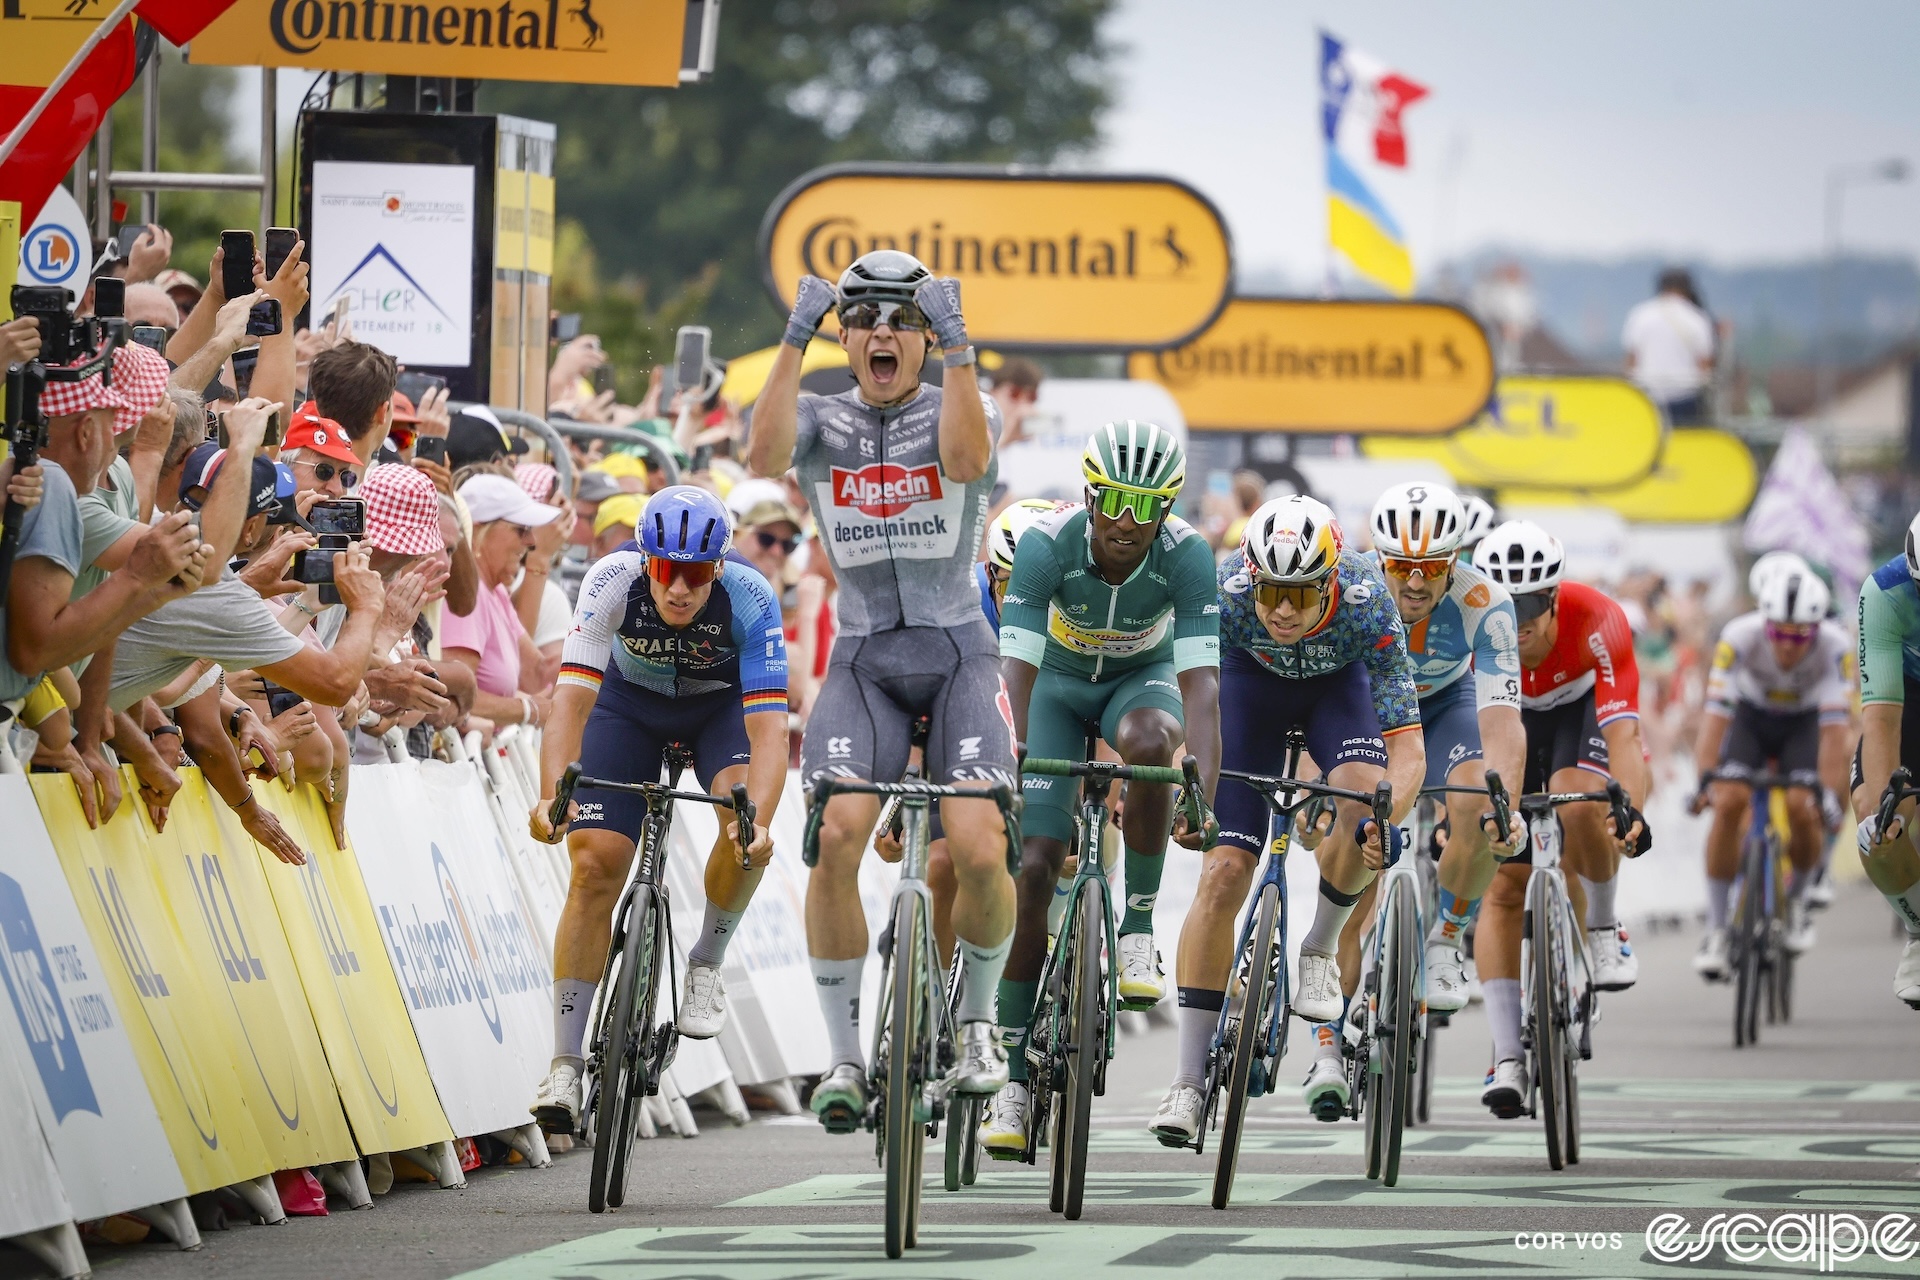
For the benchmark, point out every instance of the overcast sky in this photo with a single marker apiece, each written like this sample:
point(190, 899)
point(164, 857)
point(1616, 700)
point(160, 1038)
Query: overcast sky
point(1702, 128)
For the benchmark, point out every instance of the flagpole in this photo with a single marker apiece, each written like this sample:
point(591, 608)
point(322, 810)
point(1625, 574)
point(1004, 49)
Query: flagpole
point(106, 28)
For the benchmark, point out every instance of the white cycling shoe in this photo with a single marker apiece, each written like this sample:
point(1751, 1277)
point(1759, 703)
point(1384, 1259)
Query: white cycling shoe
point(703, 1010)
point(1615, 967)
point(1446, 978)
point(1318, 999)
point(1178, 1118)
point(983, 1063)
point(840, 1099)
point(1710, 961)
point(1906, 978)
point(1141, 984)
point(1004, 1131)
point(1801, 935)
point(556, 1103)
point(1506, 1091)
point(1819, 894)
point(1325, 1090)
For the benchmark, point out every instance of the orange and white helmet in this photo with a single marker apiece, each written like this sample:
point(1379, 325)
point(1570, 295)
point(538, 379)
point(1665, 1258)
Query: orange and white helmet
point(1293, 540)
point(1418, 521)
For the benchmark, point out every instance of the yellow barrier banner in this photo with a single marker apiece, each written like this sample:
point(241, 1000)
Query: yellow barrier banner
point(350, 987)
point(1591, 433)
point(1704, 477)
point(216, 887)
point(174, 1029)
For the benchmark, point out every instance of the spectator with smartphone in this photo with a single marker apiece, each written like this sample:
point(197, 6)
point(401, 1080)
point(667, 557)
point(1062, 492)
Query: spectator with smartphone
point(321, 455)
point(149, 305)
point(183, 289)
point(490, 640)
point(353, 384)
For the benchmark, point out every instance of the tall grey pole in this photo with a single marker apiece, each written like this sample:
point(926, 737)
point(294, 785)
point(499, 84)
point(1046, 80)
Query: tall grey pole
point(103, 177)
point(150, 136)
point(269, 147)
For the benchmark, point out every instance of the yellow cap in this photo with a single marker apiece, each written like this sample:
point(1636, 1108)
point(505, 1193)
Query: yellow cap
point(622, 464)
point(621, 508)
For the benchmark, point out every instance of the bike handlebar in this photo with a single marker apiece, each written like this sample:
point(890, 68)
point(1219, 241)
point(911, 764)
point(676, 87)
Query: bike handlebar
point(1899, 787)
point(1619, 809)
point(571, 780)
point(825, 788)
point(1186, 777)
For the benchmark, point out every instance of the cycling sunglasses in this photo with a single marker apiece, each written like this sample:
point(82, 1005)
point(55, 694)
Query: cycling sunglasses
point(1432, 568)
point(895, 315)
point(768, 541)
point(1790, 633)
point(1531, 605)
point(1145, 507)
point(1305, 598)
point(325, 471)
point(696, 573)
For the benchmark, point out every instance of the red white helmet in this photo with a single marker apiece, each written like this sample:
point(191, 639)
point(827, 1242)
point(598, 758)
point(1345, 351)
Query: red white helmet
point(1294, 540)
point(1522, 557)
point(1419, 521)
point(1794, 596)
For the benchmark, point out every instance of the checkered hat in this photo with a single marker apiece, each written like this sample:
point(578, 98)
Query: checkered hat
point(403, 510)
point(537, 478)
point(139, 381)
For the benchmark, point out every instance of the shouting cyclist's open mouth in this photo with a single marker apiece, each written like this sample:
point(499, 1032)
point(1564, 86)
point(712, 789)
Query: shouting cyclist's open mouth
point(883, 367)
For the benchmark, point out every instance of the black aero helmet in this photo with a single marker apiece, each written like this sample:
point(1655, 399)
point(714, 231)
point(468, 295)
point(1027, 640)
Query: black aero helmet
point(884, 275)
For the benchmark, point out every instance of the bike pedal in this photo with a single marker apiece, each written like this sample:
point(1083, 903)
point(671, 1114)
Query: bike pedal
point(1257, 1080)
point(1138, 1006)
point(1329, 1110)
point(840, 1120)
point(1173, 1143)
point(1005, 1156)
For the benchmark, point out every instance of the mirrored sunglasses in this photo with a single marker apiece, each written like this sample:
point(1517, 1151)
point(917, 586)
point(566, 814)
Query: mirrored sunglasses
point(1430, 568)
point(1531, 605)
point(1304, 598)
point(1791, 633)
point(696, 573)
point(895, 315)
point(1145, 507)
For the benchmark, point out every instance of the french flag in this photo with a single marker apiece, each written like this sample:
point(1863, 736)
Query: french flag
point(1377, 94)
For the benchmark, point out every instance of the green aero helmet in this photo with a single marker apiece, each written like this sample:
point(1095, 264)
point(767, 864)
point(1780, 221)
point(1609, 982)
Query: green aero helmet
point(1136, 456)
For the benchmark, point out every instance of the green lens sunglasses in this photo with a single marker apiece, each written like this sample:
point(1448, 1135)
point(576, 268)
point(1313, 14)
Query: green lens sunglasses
point(1146, 507)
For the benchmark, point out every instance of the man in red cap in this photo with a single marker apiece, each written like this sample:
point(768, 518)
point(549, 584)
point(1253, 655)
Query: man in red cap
point(320, 454)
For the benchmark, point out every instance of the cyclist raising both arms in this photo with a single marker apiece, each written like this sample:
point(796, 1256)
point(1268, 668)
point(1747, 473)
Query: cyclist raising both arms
point(1889, 739)
point(899, 477)
point(1580, 700)
point(1310, 640)
point(670, 643)
point(1110, 623)
point(1778, 692)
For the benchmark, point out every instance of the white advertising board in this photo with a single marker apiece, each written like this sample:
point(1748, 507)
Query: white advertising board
point(58, 249)
point(398, 238)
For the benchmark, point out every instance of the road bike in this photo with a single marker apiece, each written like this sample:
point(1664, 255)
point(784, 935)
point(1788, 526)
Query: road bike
point(1251, 1036)
point(1557, 996)
point(1070, 1036)
point(1900, 788)
point(1758, 961)
point(630, 1049)
point(911, 1072)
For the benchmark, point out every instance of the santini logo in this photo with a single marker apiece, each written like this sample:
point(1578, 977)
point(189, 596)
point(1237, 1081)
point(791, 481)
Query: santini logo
point(303, 26)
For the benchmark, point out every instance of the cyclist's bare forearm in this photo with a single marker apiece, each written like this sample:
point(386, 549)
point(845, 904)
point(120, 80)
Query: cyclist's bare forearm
point(1836, 756)
point(1200, 703)
point(1713, 734)
point(1406, 770)
point(1627, 760)
point(1020, 676)
point(1879, 752)
point(767, 769)
point(966, 443)
point(560, 744)
point(770, 447)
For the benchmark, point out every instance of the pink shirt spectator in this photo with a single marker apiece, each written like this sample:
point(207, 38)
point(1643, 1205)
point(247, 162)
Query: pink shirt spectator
point(493, 631)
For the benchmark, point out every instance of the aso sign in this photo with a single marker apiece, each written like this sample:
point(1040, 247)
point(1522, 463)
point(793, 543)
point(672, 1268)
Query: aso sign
point(1060, 260)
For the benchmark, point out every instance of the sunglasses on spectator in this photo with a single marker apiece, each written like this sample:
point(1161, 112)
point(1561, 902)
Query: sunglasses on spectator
point(1305, 598)
point(1792, 633)
point(696, 573)
point(895, 315)
point(768, 541)
point(325, 471)
point(1146, 507)
point(1429, 568)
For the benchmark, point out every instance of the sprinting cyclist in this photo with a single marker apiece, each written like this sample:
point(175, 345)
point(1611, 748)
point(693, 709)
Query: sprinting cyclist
point(1579, 699)
point(1890, 738)
point(1778, 694)
point(669, 644)
point(1110, 623)
point(1310, 639)
point(899, 477)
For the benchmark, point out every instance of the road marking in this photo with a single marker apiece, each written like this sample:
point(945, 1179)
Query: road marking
point(1528, 1140)
point(1028, 1186)
point(1688, 1090)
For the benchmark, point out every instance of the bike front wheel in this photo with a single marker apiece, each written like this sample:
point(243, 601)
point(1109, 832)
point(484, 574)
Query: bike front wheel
point(1399, 1025)
point(1248, 1042)
point(1543, 925)
point(626, 1019)
point(1088, 1049)
point(904, 1140)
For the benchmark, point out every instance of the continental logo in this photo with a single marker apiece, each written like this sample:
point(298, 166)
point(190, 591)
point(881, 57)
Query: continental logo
point(1262, 358)
point(830, 245)
point(303, 26)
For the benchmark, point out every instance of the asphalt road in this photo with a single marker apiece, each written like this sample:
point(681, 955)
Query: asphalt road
point(1822, 1117)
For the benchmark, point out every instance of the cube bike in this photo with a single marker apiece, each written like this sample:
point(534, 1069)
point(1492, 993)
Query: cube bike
point(629, 1050)
point(1557, 996)
point(1251, 1036)
point(1757, 955)
point(911, 1072)
point(1070, 1036)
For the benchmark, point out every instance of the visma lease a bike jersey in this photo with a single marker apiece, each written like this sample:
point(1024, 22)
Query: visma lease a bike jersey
point(902, 536)
point(735, 642)
point(1361, 626)
point(1471, 629)
point(1060, 614)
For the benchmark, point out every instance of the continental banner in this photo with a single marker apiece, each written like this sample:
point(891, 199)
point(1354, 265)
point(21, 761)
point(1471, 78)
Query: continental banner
point(350, 989)
point(1294, 364)
point(1590, 433)
point(1045, 259)
point(1703, 477)
point(67, 1033)
point(634, 42)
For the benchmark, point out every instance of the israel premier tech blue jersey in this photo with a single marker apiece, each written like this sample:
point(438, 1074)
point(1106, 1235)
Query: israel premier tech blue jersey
point(987, 603)
point(1472, 628)
point(734, 642)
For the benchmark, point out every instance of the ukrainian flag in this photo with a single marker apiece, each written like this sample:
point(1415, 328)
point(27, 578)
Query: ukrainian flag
point(1360, 227)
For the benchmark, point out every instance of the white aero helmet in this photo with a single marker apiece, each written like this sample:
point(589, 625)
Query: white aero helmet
point(1480, 521)
point(1418, 521)
point(1003, 536)
point(1522, 557)
point(1795, 596)
point(1292, 540)
point(1776, 563)
point(1913, 548)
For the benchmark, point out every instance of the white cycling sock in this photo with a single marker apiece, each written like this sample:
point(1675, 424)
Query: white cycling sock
point(1329, 918)
point(572, 1006)
point(837, 983)
point(1199, 1019)
point(1719, 902)
point(1326, 1041)
point(715, 934)
point(1600, 912)
point(1503, 1016)
point(1907, 906)
point(980, 969)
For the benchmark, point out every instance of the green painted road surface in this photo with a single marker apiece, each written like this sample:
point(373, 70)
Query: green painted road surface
point(1821, 1118)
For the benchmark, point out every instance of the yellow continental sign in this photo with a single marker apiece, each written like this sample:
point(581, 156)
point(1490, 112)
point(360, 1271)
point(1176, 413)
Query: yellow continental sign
point(1593, 433)
point(1044, 260)
point(572, 41)
point(1292, 364)
point(38, 36)
point(1704, 477)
